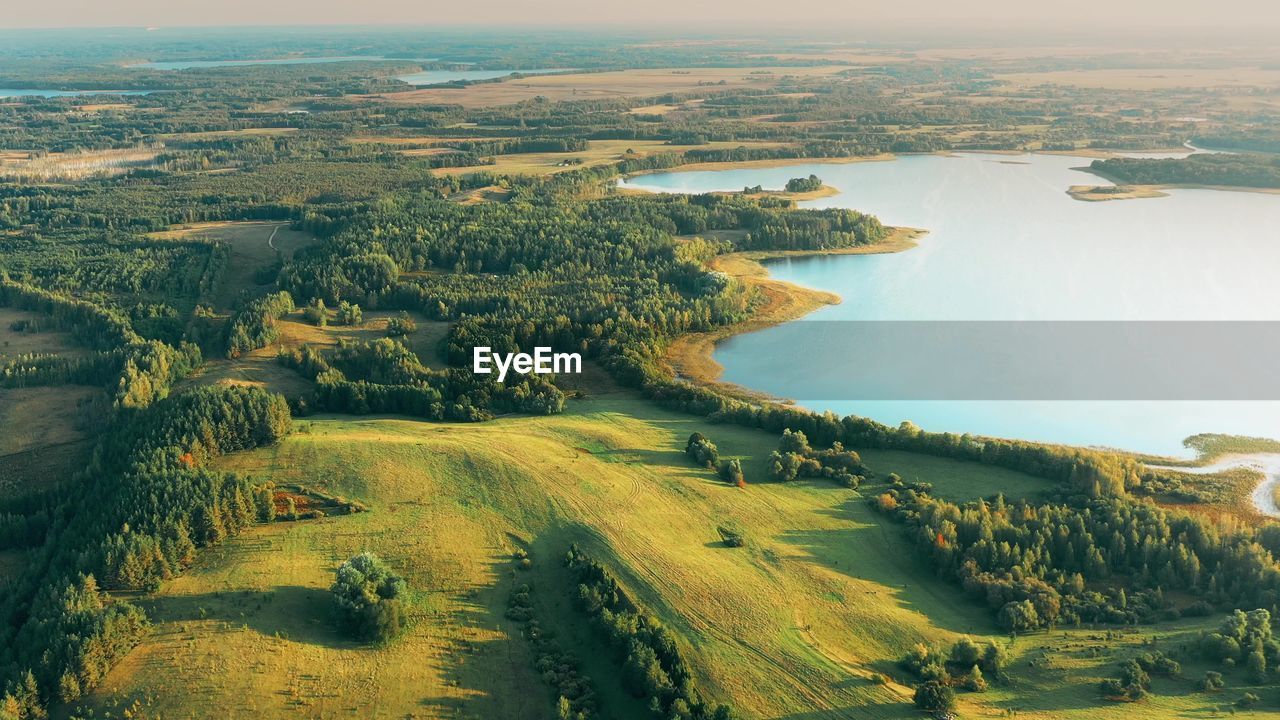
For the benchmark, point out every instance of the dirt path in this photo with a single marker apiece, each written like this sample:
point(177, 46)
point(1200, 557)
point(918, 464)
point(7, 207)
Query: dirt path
point(271, 241)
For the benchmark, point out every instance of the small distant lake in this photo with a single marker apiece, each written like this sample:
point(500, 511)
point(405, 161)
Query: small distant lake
point(1006, 242)
point(195, 64)
point(440, 77)
point(25, 92)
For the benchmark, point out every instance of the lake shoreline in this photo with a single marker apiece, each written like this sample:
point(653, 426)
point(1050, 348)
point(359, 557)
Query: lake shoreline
point(1096, 193)
point(955, 273)
point(757, 164)
point(691, 357)
point(1263, 496)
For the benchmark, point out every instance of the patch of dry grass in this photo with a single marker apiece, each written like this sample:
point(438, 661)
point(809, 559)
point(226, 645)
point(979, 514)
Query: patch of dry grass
point(621, 83)
point(20, 342)
point(77, 165)
point(599, 152)
point(254, 248)
point(261, 368)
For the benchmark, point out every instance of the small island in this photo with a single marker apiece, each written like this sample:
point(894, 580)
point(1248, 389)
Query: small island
point(806, 188)
point(1102, 193)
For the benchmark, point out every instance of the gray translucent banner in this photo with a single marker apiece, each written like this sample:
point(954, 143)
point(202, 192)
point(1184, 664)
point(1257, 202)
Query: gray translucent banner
point(925, 360)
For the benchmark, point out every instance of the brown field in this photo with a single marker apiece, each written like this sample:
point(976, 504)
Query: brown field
point(600, 152)
point(214, 134)
point(421, 140)
point(75, 165)
point(421, 152)
point(14, 343)
point(98, 107)
point(590, 86)
point(491, 193)
point(663, 109)
point(43, 467)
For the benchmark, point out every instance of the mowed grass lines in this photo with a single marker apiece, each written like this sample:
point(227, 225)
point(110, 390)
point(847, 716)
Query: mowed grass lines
point(797, 624)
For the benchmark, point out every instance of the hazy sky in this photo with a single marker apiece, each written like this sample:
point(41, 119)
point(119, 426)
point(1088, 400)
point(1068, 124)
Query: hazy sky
point(675, 15)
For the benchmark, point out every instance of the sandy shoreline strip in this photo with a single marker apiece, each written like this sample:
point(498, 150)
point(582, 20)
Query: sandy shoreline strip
point(1267, 465)
point(690, 356)
point(1151, 190)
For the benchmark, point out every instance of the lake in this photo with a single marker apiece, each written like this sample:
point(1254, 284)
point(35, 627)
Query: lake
point(24, 92)
point(1006, 243)
point(196, 64)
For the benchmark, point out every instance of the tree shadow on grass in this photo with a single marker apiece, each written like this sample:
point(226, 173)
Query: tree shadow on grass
point(877, 709)
point(292, 612)
point(875, 550)
point(487, 658)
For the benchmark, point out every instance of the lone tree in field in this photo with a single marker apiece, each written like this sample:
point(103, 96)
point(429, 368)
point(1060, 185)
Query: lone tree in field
point(731, 472)
point(702, 451)
point(367, 598)
point(934, 697)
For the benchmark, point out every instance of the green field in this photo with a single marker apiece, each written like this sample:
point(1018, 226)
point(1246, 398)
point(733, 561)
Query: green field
point(824, 596)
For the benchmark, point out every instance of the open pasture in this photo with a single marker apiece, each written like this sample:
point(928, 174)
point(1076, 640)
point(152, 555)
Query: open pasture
point(800, 623)
point(615, 84)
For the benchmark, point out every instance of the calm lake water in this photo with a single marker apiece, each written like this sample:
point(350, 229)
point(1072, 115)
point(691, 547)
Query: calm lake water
point(439, 77)
point(1006, 242)
point(11, 92)
point(189, 64)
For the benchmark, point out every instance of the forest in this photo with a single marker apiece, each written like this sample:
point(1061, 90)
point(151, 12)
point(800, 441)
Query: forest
point(1243, 170)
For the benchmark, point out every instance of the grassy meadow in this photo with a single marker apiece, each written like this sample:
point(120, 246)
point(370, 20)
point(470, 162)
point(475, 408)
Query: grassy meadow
point(800, 623)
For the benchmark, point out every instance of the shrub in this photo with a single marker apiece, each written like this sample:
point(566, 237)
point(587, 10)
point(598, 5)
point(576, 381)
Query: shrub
point(316, 313)
point(934, 697)
point(367, 598)
point(348, 314)
point(1212, 681)
point(401, 324)
point(731, 537)
point(702, 451)
point(731, 472)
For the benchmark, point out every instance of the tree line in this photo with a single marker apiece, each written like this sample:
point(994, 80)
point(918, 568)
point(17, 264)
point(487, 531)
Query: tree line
point(134, 518)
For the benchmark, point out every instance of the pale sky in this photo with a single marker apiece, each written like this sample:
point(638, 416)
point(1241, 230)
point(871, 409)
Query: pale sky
point(674, 15)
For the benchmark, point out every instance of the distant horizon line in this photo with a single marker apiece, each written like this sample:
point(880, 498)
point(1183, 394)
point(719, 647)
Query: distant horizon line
point(1066, 31)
